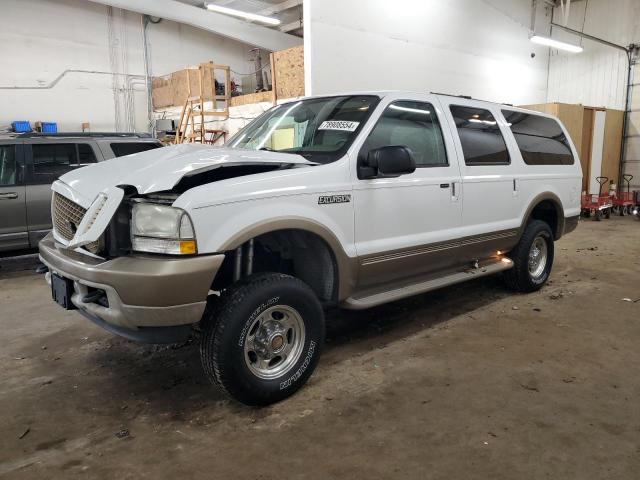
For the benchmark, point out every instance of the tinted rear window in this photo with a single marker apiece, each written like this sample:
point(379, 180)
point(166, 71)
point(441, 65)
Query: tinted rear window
point(480, 136)
point(127, 148)
point(540, 139)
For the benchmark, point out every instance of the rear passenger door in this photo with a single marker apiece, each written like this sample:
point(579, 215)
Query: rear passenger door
point(13, 215)
point(404, 226)
point(491, 202)
point(47, 161)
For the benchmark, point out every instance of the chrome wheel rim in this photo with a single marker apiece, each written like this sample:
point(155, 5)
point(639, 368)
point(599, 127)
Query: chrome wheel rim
point(538, 257)
point(274, 342)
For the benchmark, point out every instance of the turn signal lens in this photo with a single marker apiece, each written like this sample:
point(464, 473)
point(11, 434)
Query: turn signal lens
point(188, 247)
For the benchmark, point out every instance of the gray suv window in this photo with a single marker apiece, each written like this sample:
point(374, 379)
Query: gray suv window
point(8, 167)
point(86, 154)
point(127, 148)
point(52, 160)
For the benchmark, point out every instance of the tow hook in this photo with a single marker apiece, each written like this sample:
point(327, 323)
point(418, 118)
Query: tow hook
point(42, 269)
point(93, 297)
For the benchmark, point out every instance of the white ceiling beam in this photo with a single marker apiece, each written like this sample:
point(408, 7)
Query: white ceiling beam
point(290, 26)
point(217, 23)
point(280, 7)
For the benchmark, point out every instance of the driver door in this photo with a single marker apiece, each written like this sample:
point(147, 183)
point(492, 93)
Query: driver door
point(407, 226)
point(13, 213)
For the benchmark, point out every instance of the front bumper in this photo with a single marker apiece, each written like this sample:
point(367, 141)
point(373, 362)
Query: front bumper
point(143, 291)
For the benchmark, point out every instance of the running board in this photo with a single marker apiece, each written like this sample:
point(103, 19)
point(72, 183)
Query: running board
point(365, 300)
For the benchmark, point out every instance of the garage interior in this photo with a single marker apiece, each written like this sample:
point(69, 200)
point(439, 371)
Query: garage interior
point(470, 381)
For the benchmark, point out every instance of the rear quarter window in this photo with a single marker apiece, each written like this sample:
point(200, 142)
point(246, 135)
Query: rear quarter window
point(540, 139)
point(121, 149)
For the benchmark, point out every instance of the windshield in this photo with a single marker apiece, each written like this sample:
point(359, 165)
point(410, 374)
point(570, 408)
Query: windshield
point(320, 129)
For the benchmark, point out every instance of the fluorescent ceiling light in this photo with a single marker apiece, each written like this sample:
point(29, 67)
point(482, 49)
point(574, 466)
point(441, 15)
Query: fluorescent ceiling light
point(412, 110)
point(239, 13)
point(550, 42)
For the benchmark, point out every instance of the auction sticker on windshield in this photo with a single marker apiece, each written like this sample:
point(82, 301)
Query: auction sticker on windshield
point(342, 125)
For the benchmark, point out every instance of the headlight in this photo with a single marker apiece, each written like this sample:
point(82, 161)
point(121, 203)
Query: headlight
point(162, 229)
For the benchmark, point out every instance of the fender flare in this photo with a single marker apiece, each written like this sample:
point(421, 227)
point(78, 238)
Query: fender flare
point(347, 267)
point(556, 202)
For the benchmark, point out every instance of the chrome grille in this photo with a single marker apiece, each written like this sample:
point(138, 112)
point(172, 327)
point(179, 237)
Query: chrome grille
point(67, 216)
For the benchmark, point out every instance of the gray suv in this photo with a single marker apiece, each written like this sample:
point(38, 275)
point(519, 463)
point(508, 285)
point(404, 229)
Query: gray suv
point(31, 162)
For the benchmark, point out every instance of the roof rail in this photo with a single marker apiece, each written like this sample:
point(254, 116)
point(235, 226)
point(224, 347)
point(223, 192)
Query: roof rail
point(466, 97)
point(83, 134)
point(469, 97)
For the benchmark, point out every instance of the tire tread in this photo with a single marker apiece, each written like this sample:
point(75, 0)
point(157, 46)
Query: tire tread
point(218, 315)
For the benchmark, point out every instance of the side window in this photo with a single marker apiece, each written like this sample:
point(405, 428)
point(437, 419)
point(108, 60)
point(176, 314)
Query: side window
point(540, 139)
point(86, 154)
point(8, 167)
point(127, 148)
point(413, 125)
point(52, 160)
point(482, 142)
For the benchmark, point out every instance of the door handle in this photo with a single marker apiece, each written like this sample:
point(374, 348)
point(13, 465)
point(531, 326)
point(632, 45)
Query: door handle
point(8, 196)
point(444, 185)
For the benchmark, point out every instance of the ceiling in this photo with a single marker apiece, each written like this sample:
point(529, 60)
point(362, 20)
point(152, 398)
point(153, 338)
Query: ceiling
point(289, 12)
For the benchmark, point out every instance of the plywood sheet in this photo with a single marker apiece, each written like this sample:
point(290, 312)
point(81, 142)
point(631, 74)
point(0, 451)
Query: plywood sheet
point(572, 118)
point(288, 72)
point(548, 108)
point(252, 98)
point(612, 144)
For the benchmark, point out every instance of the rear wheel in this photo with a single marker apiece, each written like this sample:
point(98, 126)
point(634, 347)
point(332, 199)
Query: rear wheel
point(532, 258)
point(599, 215)
point(262, 341)
point(607, 213)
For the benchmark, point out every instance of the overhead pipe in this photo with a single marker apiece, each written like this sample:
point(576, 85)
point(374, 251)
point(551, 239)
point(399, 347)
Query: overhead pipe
point(56, 80)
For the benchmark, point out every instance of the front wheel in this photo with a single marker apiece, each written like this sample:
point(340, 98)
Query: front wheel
point(262, 341)
point(532, 258)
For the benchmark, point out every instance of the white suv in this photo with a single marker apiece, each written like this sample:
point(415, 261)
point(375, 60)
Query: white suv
point(352, 200)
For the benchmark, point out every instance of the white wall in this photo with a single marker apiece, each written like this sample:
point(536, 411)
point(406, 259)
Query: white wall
point(471, 47)
point(42, 38)
point(597, 76)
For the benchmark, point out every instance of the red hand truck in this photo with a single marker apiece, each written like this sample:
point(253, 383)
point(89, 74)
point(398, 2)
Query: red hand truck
point(623, 201)
point(599, 204)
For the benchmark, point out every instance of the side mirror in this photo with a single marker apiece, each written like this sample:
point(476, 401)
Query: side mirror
point(387, 162)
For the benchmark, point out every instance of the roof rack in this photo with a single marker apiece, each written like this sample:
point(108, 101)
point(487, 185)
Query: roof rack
point(466, 97)
point(83, 134)
point(469, 97)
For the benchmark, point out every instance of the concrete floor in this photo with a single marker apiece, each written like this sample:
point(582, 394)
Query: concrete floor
point(467, 382)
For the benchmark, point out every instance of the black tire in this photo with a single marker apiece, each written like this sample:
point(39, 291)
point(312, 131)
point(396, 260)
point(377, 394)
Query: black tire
point(607, 213)
point(624, 211)
point(519, 278)
point(225, 334)
point(599, 215)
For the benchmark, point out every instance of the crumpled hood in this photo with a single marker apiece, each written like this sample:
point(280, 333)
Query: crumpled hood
point(160, 169)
